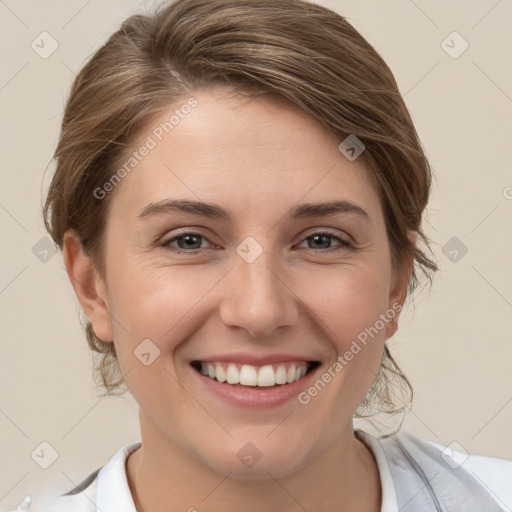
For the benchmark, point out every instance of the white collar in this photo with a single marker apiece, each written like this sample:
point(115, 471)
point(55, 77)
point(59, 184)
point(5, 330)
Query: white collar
point(389, 499)
point(114, 495)
point(405, 462)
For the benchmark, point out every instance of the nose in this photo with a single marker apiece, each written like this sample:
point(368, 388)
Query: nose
point(257, 298)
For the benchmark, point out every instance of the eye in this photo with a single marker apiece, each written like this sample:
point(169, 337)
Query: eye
point(187, 242)
point(322, 240)
point(191, 242)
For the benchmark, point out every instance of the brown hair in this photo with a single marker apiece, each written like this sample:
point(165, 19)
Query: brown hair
point(297, 50)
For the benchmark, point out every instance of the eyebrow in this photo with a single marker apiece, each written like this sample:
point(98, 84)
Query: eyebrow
point(211, 210)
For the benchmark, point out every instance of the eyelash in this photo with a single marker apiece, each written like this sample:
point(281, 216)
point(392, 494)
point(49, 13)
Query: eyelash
point(344, 244)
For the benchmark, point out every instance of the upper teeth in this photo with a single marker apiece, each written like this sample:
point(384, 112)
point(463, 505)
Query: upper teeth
point(249, 375)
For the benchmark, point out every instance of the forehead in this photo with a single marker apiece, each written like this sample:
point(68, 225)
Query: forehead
point(249, 153)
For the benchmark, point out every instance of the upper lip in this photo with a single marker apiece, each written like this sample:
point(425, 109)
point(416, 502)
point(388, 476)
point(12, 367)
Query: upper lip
point(254, 360)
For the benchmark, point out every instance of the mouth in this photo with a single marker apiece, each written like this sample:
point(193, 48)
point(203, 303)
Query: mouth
point(268, 376)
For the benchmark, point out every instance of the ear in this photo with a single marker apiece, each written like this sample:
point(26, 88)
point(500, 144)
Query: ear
point(88, 285)
point(398, 292)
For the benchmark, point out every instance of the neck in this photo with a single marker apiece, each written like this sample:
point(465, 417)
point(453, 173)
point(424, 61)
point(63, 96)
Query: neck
point(164, 477)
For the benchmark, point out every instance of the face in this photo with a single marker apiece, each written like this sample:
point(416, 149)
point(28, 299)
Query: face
point(258, 287)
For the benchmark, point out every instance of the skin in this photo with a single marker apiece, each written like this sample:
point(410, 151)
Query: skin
point(258, 158)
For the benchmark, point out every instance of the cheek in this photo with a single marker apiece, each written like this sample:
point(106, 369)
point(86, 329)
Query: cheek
point(349, 309)
point(165, 305)
point(156, 302)
point(161, 302)
point(347, 306)
point(347, 302)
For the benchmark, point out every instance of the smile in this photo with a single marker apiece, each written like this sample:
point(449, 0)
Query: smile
point(247, 375)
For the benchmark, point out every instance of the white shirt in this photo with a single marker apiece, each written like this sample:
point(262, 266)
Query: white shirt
point(415, 475)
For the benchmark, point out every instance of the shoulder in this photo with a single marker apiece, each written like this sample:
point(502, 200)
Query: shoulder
point(80, 499)
point(494, 473)
point(448, 474)
point(106, 484)
point(83, 501)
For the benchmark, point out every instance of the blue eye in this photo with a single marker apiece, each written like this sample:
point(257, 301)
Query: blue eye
point(190, 242)
point(323, 237)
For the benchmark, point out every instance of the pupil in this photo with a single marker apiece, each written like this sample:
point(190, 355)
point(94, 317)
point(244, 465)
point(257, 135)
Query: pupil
point(188, 241)
point(325, 238)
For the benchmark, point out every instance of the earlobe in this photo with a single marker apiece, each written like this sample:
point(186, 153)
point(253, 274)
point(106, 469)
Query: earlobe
point(400, 285)
point(89, 287)
point(396, 301)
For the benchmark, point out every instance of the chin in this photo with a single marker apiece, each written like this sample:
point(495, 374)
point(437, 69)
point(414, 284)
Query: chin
point(250, 463)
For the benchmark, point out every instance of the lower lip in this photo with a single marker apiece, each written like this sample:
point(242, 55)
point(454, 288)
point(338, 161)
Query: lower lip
point(256, 397)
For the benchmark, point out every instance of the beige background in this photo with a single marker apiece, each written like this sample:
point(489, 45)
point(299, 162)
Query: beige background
point(457, 346)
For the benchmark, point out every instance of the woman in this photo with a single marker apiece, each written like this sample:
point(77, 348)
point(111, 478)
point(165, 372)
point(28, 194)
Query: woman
point(238, 197)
